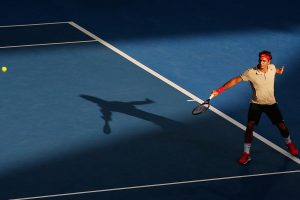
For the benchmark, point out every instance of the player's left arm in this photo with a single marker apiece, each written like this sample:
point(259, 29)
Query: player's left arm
point(279, 70)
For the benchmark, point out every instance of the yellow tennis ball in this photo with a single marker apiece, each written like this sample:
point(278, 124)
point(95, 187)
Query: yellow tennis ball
point(4, 69)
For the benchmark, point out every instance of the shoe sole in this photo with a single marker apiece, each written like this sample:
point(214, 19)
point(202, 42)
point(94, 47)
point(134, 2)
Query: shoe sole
point(249, 159)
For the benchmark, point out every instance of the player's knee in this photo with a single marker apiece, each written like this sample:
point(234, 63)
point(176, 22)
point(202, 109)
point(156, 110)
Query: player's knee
point(250, 125)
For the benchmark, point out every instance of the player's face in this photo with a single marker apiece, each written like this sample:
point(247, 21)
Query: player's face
point(263, 63)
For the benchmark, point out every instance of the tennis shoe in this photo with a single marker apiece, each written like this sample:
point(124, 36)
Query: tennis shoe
point(245, 158)
point(292, 148)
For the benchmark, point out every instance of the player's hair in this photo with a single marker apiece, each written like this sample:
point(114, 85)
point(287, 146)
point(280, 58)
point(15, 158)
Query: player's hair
point(265, 52)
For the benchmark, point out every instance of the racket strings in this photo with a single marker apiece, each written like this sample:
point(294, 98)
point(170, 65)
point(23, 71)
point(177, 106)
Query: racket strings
point(201, 108)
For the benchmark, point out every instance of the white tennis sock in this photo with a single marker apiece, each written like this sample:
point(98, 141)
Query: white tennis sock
point(287, 140)
point(247, 147)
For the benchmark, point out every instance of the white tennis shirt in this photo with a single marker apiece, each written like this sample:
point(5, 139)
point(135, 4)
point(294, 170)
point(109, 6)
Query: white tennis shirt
point(262, 84)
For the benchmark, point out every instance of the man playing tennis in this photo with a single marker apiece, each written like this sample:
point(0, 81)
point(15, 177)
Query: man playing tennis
point(261, 78)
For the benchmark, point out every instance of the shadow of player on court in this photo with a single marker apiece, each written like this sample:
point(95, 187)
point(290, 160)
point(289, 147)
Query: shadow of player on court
point(129, 108)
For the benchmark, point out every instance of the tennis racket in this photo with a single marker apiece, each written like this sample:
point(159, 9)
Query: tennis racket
point(201, 108)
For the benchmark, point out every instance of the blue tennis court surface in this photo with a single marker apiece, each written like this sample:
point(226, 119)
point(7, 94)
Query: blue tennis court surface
point(80, 121)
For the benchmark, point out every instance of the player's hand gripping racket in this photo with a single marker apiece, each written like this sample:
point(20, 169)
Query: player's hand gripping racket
point(201, 108)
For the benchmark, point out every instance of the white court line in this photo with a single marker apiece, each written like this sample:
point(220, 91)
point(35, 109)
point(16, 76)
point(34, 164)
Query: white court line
point(47, 44)
point(38, 24)
point(177, 87)
point(44, 44)
point(158, 185)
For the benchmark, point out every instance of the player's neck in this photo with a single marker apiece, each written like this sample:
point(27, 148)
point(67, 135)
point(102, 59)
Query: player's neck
point(262, 69)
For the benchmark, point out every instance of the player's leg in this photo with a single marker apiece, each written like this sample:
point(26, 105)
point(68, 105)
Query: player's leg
point(254, 114)
point(287, 138)
point(275, 115)
point(247, 143)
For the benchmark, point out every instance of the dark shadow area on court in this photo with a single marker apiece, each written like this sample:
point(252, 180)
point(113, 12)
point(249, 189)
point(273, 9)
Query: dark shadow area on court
point(266, 187)
point(150, 157)
point(119, 20)
point(37, 35)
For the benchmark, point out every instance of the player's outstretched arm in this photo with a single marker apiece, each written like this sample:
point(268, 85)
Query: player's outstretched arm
point(226, 86)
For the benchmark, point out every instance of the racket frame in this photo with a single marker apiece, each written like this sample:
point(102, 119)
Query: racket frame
point(207, 101)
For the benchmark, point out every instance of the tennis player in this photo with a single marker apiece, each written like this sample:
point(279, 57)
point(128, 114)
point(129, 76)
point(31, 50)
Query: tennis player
point(261, 78)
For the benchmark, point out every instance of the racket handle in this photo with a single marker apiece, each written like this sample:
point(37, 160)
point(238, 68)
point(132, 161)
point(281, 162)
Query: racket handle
point(211, 96)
